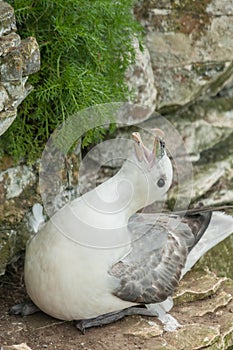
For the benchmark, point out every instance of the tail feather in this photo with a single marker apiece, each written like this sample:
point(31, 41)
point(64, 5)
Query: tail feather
point(36, 220)
point(220, 227)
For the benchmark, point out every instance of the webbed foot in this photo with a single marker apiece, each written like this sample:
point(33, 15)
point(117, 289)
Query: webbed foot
point(101, 320)
point(24, 309)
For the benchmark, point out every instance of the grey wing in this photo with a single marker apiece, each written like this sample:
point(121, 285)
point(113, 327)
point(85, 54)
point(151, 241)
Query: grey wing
point(151, 271)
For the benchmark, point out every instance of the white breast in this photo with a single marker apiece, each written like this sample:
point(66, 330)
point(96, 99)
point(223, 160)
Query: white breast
point(68, 280)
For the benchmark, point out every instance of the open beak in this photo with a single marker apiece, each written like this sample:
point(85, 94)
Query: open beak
point(143, 153)
point(159, 144)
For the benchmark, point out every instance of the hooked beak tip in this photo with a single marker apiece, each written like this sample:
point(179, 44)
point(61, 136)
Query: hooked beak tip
point(158, 142)
point(136, 137)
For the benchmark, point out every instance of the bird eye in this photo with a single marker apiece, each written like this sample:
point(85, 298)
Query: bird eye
point(161, 182)
point(162, 143)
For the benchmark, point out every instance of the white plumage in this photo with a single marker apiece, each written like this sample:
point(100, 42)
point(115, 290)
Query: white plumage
point(70, 263)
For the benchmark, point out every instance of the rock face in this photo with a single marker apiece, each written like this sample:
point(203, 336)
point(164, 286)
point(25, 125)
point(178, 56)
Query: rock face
point(203, 307)
point(18, 59)
point(191, 47)
point(17, 194)
point(140, 78)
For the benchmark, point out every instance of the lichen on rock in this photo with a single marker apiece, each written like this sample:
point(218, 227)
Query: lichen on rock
point(18, 59)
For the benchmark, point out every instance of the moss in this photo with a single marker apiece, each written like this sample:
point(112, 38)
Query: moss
point(189, 23)
point(219, 152)
point(219, 259)
point(195, 6)
point(86, 47)
point(187, 17)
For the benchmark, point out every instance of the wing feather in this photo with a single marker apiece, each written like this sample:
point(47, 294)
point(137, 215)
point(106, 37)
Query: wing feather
point(151, 271)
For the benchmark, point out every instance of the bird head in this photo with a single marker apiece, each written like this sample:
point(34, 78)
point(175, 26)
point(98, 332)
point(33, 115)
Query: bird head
point(155, 165)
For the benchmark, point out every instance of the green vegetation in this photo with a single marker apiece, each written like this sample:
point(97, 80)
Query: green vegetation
point(86, 47)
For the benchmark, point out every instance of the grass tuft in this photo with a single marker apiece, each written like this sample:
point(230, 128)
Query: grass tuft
point(86, 47)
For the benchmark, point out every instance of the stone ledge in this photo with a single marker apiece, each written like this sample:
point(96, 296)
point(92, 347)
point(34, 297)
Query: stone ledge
point(7, 18)
point(19, 58)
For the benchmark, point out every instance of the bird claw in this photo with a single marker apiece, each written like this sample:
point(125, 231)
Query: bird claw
point(102, 320)
point(24, 309)
point(80, 325)
point(170, 323)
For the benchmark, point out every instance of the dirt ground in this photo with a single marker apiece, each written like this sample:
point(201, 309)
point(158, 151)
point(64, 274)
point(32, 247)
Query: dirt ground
point(40, 331)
